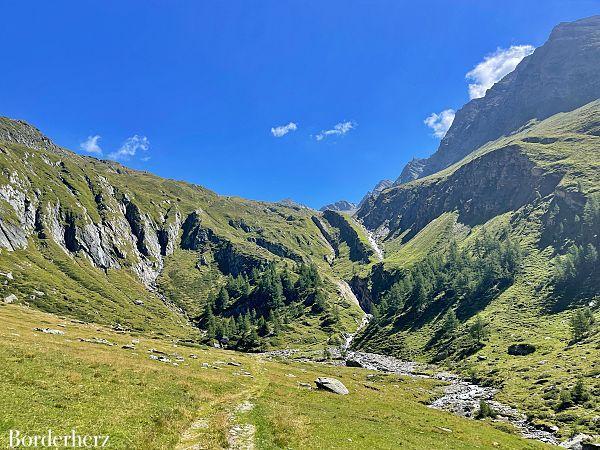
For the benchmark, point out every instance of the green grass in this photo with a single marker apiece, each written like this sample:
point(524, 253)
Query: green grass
point(59, 382)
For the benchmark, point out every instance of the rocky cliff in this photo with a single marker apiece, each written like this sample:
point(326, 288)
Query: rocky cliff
point(561, 75)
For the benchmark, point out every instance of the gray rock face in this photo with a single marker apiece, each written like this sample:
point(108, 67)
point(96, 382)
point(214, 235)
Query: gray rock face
point(495, 183)
point(559, 76)
point(411, 171)
point(340, 206)
point(331, 385)
point(378, 189)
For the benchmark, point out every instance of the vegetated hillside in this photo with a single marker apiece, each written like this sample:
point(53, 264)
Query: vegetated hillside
point(492, 268)
point(561, 75)
point(104, 243)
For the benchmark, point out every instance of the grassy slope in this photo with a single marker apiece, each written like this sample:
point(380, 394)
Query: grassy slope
point(58, 382)
point(522, 313)
point(72, 286)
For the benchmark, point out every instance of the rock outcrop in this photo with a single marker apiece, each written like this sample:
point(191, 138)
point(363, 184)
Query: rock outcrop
point(340, 206)
point(559, 76)
point(332, 385)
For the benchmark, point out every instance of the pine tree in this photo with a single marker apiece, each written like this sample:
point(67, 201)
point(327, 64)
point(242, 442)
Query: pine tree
point(450, 323)
point(222, 300)
point(582, 322)
point(478, 330)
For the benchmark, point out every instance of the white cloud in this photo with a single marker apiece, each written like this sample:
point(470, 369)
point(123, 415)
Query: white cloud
point(440, 123)
point(494, 67)
point(91, 145)
point(338, 129)
point(130, 147)
point(282, 130)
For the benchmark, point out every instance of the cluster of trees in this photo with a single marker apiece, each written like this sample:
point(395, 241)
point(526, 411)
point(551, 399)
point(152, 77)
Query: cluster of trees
point(581, 262)
point(250, 308)
point(458, 275)
point(577, 395)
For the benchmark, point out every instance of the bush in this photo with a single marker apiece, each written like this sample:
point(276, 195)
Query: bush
point(485, 410)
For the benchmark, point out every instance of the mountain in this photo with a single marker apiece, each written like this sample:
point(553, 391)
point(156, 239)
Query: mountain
point(486, 267)
point(505, 241)
point(411, 171)
point(561, 75)
point(99, 242)
point(379, 187)
point(341, 206)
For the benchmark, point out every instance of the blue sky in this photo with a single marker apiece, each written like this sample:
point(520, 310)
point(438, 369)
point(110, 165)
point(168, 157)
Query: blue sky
point(195, 90)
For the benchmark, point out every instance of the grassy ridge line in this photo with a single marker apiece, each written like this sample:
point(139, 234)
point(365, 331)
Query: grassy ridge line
point(59, 382)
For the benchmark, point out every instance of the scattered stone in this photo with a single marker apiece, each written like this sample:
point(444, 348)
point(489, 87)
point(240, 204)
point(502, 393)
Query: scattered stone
point(96, 340)
point(8, 275)
point(138, 302)
point(244, 407)
point(305, 385)
point(38, 293)
point(129, 347)
point(332, 385)
point(156, 352)
point(481, 357)
point(234, 363)
point(49, 331)
point(521, 349)
point(577, 441)
point(163, 359)
point(290, 375)
point(10, 299)
point(192, 356)
point(447, 430)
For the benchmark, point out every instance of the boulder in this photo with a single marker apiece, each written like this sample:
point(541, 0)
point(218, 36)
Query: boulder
point(331, 385)
point(10, 299)
point(521, 349)
point(577, 442)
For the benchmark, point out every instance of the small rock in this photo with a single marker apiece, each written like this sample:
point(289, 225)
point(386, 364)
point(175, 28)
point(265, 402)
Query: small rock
point(192, 356)
point(234, 363)
point(10, 299)
point(332, 385)
point(481, 357)
point(290, 375)
point(129, 347)
point(49, 331)
point(305, 385)
point(447, 430)
point(138, 302)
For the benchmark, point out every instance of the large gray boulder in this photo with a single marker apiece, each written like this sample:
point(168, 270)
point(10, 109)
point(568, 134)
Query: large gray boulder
point(331, 385)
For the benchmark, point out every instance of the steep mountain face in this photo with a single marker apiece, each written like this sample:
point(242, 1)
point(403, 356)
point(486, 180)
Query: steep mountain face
point(411, 171)
point(378, 189)
point(559, 76)
point(340, 206)
point(152, 252)
point(496, 252)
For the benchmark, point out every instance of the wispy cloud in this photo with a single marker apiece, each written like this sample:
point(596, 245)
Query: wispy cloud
point(440, 123)
point(91, 145)
point(338, 129)
point(130, 147)
point(282, 130)
point(494, 67)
